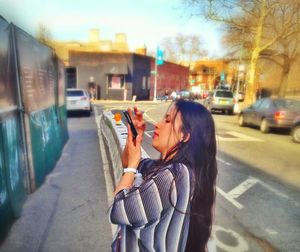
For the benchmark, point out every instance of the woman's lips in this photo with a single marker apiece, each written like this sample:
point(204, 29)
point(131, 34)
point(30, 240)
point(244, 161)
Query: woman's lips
point(155, 134)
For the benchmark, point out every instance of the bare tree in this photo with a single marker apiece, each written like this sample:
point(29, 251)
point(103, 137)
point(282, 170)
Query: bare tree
point(43, 34)
point(253, 19)
point(285, 51)
point(183, 49)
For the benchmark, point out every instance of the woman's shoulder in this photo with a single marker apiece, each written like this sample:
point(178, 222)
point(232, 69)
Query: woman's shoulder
point(146, 164)
point(179, 169)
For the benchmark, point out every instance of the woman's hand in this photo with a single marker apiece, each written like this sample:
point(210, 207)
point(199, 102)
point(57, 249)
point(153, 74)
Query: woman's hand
point(138, 120)
point(140, 126)
point(133, 149)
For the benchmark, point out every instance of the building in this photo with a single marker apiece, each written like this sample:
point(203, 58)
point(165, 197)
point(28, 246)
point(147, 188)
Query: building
point(114, 76)
point(94, 44)
point(170, 77)
point(123, 76)
point(109, 71)
point(208, 74)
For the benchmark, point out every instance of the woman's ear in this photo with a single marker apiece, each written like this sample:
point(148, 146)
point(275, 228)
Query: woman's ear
point(185, 137)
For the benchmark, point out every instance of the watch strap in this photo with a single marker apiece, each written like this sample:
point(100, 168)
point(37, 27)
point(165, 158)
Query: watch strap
point(129, 169)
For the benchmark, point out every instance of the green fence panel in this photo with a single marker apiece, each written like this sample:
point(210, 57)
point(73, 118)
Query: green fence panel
point(39, 139)
point(46, 142)
point(5, 209)
point(15, 164)
point(12, 167)
point(50, 156)
point(57, 140)
point(63, 124)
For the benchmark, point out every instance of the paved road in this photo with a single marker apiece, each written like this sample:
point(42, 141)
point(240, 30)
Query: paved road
point(258, 207)
point(69, 211)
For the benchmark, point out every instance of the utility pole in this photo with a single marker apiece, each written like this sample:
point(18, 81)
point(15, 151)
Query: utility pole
point(236, 105)
point(159, 60)
point(155, 80)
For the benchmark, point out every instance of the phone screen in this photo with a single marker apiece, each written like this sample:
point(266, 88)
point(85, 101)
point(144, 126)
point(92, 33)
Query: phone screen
point(133, 129)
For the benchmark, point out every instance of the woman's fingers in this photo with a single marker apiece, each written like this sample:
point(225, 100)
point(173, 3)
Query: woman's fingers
point(137, 118)
point(134, 149)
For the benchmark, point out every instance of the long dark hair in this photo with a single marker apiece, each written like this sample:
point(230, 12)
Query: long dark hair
point(199, 154)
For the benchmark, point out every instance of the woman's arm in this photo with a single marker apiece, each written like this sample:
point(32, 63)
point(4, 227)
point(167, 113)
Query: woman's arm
point(138, 206)
point(144, 204)
point(140, 125)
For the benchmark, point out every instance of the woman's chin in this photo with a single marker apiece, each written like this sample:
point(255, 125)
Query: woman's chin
point(154, 145)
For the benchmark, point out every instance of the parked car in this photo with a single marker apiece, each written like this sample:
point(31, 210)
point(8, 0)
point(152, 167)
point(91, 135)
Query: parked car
point(268, 113)
point(295, 131)
point(184, 94)
point(220, 99)
point(78, 100)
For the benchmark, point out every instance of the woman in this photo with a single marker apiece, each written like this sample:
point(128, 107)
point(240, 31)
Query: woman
point(172, 208)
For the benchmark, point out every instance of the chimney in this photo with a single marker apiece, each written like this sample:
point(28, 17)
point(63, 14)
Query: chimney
point(94, 35)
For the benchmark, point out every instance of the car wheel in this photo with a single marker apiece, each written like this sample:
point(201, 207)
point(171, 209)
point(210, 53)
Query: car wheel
point(264, 127)
point(296, 134)
point(241, 121)
point(230, 111)
point(88, 113)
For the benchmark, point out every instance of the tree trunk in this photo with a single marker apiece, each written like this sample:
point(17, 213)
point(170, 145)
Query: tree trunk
point(284, 77)
point(250, 92)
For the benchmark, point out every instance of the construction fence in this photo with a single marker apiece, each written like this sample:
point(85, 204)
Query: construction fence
point(33, 119)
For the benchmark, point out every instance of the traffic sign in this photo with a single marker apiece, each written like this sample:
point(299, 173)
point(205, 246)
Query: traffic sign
point(159, 57)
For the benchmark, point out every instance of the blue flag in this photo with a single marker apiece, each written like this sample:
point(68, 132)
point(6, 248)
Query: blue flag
point(159, 57)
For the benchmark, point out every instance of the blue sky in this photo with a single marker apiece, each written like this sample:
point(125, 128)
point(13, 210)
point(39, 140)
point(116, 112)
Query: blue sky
point(146, 22)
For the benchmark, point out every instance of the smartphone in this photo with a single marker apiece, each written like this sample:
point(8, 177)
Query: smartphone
point(133, 129)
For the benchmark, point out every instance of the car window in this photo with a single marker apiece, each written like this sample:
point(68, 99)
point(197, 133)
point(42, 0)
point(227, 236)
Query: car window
point(282, 104)
point(265, 104)
point(75, 93)
point(257, 104)
point(225, 94)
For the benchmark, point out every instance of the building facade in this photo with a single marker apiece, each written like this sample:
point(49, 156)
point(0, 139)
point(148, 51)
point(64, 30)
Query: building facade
point(170, 77)
point(114, 76)
point(94, 44)
point(208, 74)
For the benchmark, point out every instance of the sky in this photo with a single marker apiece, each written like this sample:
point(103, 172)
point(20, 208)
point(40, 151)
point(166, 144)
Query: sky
point(146, 22)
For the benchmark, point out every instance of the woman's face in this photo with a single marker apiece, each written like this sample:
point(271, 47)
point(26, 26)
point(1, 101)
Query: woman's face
point(167, 132)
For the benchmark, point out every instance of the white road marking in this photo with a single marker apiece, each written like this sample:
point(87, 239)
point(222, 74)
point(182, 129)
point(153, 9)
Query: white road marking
point(271, 231)
point(222, 161)
point(275, 191)
point(237, 137)
point(242, 188)
point(245, 186)
point(147, 133)
point(149, 119)
point(230, 199)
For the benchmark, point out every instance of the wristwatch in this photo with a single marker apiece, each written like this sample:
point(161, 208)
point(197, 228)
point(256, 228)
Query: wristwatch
point(129, 169)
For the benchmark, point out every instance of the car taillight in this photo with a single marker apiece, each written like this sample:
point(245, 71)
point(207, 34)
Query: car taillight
point(83, 98)
point(279, 115)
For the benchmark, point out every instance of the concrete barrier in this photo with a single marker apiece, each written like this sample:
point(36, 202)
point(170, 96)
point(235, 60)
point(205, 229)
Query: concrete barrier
point(114, 136)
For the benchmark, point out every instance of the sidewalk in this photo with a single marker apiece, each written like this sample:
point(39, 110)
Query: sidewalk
point(69, 211)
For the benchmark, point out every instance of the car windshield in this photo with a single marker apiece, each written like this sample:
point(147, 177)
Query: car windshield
point(75, 93)
point(224, 94)
point(291, 104)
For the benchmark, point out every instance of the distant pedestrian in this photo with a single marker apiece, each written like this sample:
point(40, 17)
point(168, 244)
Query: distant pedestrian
point(167, 204)
point(258, 93)
point(173, 95)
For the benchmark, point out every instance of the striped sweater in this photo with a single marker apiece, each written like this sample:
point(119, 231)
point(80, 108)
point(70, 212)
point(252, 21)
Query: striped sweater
point(151, 215)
